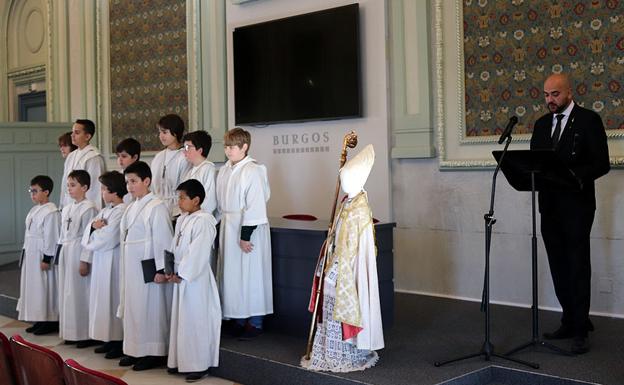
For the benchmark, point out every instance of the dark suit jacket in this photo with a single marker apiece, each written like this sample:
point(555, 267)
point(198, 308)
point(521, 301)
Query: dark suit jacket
point(583, 148)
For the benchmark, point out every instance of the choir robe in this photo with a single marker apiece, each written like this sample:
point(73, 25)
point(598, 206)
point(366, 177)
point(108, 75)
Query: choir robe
point(102, 249)
point(196, 311)
point(205, 173)
point(168, 168)
point(38, 288)
point(144, 307)
point(245, 280)
point(74, 288)
point(90, 160)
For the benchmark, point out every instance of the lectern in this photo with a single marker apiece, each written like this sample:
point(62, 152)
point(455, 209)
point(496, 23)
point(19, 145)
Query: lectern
point(536, 170)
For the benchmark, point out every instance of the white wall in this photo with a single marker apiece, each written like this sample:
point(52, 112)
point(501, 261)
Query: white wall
point(439, 241)
point(305, 182)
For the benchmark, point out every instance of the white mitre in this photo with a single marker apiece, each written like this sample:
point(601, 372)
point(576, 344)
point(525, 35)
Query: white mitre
point(355, 172)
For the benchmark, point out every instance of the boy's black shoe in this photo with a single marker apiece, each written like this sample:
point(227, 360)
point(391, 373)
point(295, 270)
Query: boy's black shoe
point(70, 342)
point(149, 362)
point(237, 330)
point(250, 333)
point(172, 370)
point(128, 361)
point(34, 327)
point(196, 376)
point(86, 343)
point(47, 328)
point(115, 351)
point(104, 348)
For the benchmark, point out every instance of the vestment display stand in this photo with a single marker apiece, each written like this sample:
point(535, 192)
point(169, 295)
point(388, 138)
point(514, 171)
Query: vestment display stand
point(528, 170)
point(487, 349)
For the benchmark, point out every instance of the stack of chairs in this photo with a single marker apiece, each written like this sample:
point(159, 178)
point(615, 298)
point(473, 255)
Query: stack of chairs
point(7, 366)
point(76, 374)
point(25, 363)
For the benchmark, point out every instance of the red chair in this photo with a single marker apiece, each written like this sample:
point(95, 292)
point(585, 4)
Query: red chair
point(7, 366)
point(300, 217)
point(76, 374)
point(36, 365)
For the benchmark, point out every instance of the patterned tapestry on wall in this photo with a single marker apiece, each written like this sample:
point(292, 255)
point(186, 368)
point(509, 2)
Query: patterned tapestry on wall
point(510, 47)
point(148, 67)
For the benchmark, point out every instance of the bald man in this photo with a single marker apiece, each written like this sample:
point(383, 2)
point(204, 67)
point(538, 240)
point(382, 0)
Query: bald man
point(578, 137)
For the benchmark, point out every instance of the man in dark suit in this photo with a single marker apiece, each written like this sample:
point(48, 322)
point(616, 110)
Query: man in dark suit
point(578, 137)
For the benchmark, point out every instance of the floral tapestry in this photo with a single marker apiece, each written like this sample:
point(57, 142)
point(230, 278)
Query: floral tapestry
point(511, 46)
point(148, 69)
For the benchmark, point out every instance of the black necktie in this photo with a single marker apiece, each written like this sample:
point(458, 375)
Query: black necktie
point(557, 133)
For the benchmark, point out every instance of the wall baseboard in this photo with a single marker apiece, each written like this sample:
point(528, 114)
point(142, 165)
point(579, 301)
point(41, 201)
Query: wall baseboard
point(504, 303)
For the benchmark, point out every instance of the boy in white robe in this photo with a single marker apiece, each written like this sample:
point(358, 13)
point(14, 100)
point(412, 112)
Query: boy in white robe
point(196, 311)
point(196, 148)
point(351, 328)
point(73, 267)
point(38, 291)
point(169, 165)
point(101, 242)
point(244, 262)
point(145, 299)
point(128, 151)
point(85, 157)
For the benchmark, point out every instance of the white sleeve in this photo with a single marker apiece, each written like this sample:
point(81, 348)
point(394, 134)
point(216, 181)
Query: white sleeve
point(51, 227)
point(161, 234)
point(95, 167)
point(255, 198)
point(209, 182)
point(105, 238)
point(85, 219)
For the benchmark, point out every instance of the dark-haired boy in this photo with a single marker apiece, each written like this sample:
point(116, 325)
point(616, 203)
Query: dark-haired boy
point(196, 311)
point(85, 157)
point(101, 238)
point(196, 148)
point(128, 151)
point(38, 291)
point(73, 266)
point(169, 165)
point(145, 306)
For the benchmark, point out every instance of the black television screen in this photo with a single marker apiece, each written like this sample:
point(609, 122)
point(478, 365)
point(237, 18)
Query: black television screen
point(300, 68)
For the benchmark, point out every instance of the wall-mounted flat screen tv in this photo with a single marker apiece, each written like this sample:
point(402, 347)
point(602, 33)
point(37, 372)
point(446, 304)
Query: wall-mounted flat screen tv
point(300, 68)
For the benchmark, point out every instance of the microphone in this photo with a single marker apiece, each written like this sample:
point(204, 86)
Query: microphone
point(507, 132)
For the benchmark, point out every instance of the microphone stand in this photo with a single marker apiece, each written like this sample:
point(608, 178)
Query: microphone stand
point(487, 349)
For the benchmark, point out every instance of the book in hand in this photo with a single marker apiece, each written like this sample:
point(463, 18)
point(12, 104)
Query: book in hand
point(169, 263)
point(149, 270)
point(57, 254)
point(21, 260)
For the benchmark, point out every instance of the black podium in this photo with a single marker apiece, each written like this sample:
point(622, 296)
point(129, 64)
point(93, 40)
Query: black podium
point(536, 170)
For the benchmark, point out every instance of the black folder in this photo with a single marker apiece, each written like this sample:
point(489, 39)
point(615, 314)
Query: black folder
point(169, 262)
point(57, 254)
point(149, 270)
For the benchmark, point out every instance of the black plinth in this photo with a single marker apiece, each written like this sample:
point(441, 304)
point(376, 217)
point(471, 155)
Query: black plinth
point(295, 246)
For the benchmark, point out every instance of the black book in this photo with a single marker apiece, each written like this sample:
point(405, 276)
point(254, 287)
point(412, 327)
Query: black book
point(149, 270)
point(22, 258)
point(169, 262)
point(57, 254)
